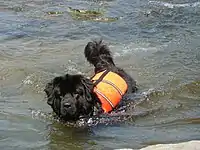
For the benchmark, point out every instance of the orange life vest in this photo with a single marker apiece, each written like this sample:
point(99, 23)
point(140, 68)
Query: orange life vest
point(109, 89)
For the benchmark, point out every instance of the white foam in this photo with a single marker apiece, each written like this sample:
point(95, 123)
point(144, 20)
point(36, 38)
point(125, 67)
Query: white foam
point(28, 80)
point(40, 115)
point(170, 5)
point(131, 48)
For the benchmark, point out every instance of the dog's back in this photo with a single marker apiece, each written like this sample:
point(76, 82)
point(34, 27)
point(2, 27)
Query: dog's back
point(99, 54)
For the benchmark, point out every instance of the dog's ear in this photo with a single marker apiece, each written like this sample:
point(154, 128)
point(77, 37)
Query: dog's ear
point(52, 89)
point(49, 90)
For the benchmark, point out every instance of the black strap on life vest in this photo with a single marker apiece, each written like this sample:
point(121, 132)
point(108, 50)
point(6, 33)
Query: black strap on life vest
point(97, 82)
point(107, 82)
point(101, 77)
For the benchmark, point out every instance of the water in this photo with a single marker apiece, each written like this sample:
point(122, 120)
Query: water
point(156, 42)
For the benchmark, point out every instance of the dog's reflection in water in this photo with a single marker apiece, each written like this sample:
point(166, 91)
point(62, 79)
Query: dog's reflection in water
point(74, 96)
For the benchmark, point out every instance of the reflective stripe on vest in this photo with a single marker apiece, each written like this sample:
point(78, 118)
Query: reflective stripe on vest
point(109, 90)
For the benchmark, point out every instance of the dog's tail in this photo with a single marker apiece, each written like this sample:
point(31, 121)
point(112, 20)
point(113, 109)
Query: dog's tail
point(96, 50)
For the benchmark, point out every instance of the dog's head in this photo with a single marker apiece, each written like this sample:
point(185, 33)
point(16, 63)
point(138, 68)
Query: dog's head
point(70, 96)
point(96, 52)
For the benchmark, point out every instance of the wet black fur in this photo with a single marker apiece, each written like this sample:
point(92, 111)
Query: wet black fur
point(72, 97)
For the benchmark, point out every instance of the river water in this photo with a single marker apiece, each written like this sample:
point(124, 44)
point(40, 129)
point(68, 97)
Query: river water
point(156, 42)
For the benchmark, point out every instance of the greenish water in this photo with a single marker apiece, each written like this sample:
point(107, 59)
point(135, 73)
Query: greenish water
point(156, 42)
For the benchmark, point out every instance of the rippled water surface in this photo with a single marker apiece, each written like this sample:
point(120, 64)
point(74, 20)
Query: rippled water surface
point(156, 42)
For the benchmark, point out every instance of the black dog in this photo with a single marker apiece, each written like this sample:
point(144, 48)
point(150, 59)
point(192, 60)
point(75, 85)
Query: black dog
point(99, 55)
point(75, 96)
point(71, 97)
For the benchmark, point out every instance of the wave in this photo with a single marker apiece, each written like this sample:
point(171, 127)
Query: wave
point(171, 5)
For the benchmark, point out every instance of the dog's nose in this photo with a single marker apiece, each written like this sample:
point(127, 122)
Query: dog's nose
point(67, 105)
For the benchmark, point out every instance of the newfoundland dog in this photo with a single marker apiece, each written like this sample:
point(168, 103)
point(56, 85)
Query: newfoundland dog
point(74, 96)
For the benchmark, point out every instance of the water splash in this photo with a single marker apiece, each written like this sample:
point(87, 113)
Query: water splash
point(43, 116)
point(28, 80)
point(115, 117)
